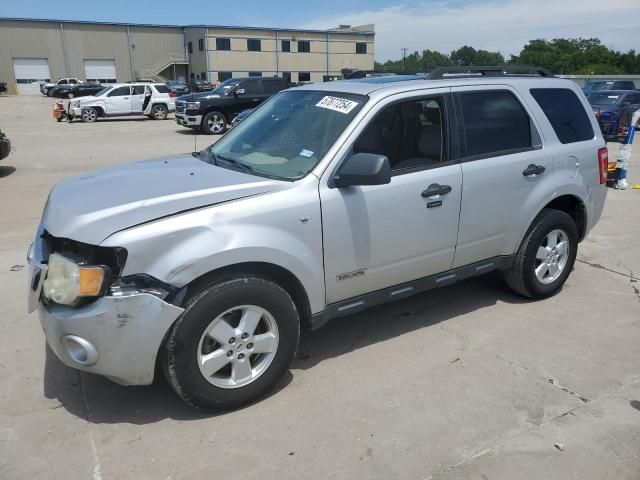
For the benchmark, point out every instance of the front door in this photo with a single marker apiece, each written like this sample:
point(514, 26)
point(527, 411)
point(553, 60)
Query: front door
point(384, 235)
point(119, 101)
point(507, 174)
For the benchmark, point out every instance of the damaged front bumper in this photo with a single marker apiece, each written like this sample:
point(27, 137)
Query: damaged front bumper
point(118, 337)
point(190, 121)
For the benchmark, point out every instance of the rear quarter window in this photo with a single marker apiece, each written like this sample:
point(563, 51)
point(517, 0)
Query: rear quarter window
point(161, 88)
point(565, 112)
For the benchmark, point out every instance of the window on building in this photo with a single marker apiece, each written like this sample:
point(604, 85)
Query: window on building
point(255, 74)
point(254, 45)
point(304, 46)
point(222, 76)
point(286, 45)
point(201, 44)
point(494, 124)
point(361, 47)
point(410, 134)
point(203, 75)
point(287, 76)
point(192, 75)
point(190, 47)
point(565, 113)
point(223, 44)
point(304, 76)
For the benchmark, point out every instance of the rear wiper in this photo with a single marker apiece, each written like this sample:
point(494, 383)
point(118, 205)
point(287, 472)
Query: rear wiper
point(234, 162)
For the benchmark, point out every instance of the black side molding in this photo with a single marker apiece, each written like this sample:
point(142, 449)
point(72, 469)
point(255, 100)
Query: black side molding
point(404, 290)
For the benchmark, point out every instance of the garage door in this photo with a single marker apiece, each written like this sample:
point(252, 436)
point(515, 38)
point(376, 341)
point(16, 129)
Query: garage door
point(30, 72)
point(102, 71)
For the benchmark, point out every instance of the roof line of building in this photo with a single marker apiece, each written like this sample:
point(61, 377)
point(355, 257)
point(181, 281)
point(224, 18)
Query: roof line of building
point(229, 27)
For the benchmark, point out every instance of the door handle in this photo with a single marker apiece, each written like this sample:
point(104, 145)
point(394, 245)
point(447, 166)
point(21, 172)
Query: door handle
point(533, 170)
point(436, 189)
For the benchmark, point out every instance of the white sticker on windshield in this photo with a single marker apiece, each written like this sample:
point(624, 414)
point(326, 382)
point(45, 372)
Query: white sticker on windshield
point(306, 153)
point(612, 96)
point(336, 104)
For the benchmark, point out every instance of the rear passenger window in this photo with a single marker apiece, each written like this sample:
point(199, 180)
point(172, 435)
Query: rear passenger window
point(565, 113)
point(161, 88)
point(494, 124)
point(272, 86)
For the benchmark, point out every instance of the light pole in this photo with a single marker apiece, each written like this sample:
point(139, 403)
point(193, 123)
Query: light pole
point(404, 58)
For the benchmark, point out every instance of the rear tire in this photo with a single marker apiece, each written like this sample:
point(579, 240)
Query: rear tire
point(159, 112)
point(233, 343)
point(546, 256)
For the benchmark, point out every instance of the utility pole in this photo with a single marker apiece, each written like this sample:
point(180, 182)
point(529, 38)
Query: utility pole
point(404, 58)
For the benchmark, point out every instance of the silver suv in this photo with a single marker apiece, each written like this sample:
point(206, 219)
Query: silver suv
point(328, 199)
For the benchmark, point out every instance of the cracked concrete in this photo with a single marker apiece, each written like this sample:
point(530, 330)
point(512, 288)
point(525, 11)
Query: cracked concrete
point(465, 382)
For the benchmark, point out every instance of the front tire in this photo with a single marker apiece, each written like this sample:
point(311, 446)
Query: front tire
point(214, 123)
point(233, 343)
point(545, 257)
point(89, 115)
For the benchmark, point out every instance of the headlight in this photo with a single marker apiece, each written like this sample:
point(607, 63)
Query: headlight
point(67, 282)
point(193, 105)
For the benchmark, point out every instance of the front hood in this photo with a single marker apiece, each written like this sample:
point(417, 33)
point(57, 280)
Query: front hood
point(87, 99)
point(195, 97)
point(91, 207)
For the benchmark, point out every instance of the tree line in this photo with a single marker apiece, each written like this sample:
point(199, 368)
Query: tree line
point(580, 56)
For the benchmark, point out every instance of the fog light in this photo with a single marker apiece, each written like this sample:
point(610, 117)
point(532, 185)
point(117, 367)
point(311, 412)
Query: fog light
point(79, 350)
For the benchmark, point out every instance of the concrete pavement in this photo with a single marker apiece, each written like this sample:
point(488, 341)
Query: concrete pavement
point(468, 381)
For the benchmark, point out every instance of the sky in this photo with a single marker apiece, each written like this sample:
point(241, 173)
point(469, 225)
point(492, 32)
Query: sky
point(443, 25)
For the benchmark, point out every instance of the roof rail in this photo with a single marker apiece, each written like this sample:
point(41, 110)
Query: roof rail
point(497, 71)
point(350, 74)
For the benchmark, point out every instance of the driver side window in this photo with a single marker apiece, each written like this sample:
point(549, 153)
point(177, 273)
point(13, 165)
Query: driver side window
point(410, 134)
point(120, 92)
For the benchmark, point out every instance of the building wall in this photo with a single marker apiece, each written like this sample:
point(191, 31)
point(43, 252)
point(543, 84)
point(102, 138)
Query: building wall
point(30, 40)
point(198, 58)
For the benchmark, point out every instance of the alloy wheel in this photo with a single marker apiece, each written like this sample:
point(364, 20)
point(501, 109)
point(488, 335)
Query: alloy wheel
point(238, 346)
point(216, 123)
point(552, 256)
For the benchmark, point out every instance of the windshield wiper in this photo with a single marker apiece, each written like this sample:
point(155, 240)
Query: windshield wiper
point(234, 162)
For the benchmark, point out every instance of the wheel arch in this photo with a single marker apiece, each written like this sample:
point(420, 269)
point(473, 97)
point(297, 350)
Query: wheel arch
point(575, 208)
point(278, 274)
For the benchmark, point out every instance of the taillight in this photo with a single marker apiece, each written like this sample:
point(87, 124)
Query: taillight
point(603, 164)
point(597, 112)
point(171, 94)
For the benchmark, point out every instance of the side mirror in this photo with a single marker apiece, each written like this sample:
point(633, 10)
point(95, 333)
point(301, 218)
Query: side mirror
point(363, 169)
point(239, 91)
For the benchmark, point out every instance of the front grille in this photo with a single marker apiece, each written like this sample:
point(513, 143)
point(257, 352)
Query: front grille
point(180, 107)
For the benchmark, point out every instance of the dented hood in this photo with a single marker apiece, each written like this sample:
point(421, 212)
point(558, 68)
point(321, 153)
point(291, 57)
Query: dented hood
point(92, 207)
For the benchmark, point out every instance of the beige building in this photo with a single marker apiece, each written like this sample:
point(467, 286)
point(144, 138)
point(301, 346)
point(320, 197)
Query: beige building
point(34, 51)
point(218, 53)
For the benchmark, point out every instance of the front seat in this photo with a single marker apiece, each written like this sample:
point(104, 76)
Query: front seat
point(429, 144)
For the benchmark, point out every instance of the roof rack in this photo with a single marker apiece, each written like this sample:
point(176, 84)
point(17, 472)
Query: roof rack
point(496, 71)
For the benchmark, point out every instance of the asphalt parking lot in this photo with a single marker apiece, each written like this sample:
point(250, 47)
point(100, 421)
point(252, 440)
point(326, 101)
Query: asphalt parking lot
point(468, 381)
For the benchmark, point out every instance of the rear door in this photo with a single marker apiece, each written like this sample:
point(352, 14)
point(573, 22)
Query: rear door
point(119, 101)
point(507, 174)
point(252, 96)
point(137, 98)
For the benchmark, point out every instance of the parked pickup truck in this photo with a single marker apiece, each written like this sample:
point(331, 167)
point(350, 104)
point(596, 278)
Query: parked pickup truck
point(212, 112)
point(328, 199)
point(45, 88)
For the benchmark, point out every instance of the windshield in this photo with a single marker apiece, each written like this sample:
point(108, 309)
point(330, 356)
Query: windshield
point(288, 135)
point(102, 92)
point(225, 86)
point(599, 86)
point(603, 99)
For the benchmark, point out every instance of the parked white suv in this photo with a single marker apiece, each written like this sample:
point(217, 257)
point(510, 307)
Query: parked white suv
point(328, 199)
point(45, 88)
point(153, 100)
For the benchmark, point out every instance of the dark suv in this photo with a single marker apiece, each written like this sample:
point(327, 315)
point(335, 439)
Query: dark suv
point(213, 111)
